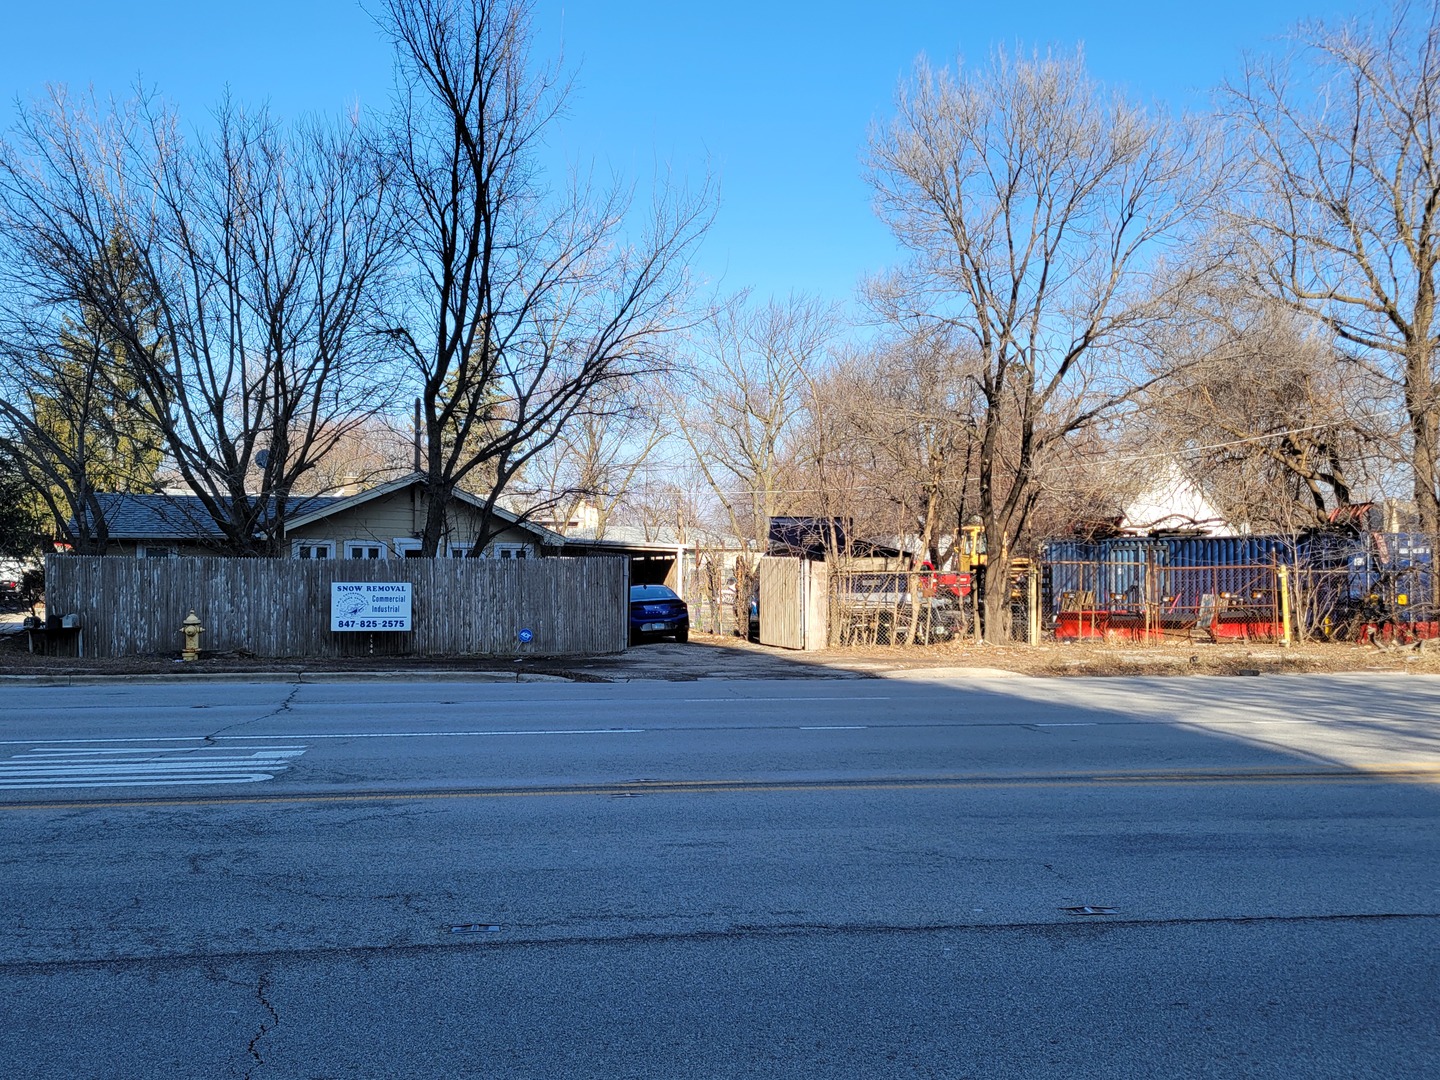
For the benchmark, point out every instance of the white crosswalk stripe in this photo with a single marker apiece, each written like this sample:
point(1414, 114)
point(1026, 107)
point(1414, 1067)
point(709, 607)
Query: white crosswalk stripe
point(130, 766)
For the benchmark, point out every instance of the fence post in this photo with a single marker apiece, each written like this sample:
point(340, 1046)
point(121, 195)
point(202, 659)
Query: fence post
point(1033, 606)
point(975, 605)
point(1147, 591)
point(1283, 573)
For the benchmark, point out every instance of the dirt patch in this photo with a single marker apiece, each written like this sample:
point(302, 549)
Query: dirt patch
point(713, 657)
point(1096, 659)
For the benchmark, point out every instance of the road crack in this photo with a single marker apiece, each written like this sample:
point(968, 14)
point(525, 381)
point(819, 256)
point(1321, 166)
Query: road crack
point(1069, 928)
point(262, 991)
point(279, 710)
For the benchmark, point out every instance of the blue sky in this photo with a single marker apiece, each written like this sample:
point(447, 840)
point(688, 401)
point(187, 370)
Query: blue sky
point(775, 98)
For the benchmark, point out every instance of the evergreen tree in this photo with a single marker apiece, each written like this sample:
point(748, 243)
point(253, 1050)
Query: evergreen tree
point(71, 421)
point(86, 397)
point(21, 522)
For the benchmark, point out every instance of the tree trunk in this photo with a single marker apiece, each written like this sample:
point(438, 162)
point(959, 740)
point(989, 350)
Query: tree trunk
point(1420, 404)
point(433, 535)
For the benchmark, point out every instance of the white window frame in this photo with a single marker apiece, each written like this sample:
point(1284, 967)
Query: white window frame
point(404, 545)
point(327, 546)
point(509, 551)
point(459, 551)
point(162, 551)
point(352, 546)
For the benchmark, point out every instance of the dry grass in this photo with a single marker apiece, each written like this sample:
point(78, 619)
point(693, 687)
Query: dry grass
point(1100, 659)
point(731, 657)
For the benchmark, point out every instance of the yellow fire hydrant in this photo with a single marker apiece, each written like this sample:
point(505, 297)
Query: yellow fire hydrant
point(192, 630)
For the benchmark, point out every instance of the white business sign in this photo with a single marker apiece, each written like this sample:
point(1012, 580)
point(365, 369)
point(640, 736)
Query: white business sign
point(370, 605)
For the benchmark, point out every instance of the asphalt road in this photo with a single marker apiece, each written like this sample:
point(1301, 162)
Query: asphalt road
point(866, 878)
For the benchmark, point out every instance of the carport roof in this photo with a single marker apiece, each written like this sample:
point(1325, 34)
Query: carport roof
point(618, 545)
point(664, 538)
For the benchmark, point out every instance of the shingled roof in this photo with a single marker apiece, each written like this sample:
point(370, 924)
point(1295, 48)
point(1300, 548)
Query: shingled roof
point(178, 517)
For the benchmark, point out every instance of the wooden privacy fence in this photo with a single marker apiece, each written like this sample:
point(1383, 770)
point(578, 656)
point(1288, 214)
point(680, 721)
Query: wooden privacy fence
point(794, 599)
point(281, 607)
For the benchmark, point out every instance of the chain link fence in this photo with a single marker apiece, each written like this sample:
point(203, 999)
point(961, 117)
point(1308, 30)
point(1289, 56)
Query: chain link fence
point(1365, 601)
point(719, 588)
point(891, 607)
point(1144, 603)
point(1370, 587)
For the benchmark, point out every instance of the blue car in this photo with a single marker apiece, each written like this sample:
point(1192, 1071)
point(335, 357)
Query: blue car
point(656, 611)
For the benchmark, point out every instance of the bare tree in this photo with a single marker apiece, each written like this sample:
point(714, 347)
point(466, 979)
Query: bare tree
point(255, 252)
point(371, 452)
point(744, 396)
point(1282, 431)
point(597, 459)
point(1037, 210)
point(1089, 480)
point(665, 508)
point(1343, 208)
point(904, 414)
point(524, 306)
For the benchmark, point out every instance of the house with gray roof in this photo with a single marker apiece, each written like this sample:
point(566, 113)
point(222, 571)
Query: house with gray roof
point(162, 526)
point(383, 522)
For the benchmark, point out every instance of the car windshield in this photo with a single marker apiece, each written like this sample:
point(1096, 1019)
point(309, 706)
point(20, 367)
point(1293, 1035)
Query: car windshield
point(651, 592)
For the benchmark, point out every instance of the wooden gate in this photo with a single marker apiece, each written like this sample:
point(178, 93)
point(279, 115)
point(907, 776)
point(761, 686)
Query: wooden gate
point(794, 603)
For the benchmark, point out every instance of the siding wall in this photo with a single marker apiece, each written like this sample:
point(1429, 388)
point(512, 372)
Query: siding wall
point(400, 515)
point(281, 607)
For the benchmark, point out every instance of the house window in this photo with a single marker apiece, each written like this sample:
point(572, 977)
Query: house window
point(510, 551)
point(313, 549)
point(407, 547)
point(460, 551)
point(364, 549)
point(155, 551)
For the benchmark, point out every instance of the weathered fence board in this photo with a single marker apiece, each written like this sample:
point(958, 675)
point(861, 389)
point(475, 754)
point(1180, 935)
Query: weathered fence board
point(793, 603)
point(281, 607)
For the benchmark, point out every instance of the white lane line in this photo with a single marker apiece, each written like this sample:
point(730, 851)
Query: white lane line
point(129, 766)
point(458, 734)
point(836, 727)
point(745, 700)
point(1061, 725)
point(345, 735)
point(67, 754)
point(143, 781)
